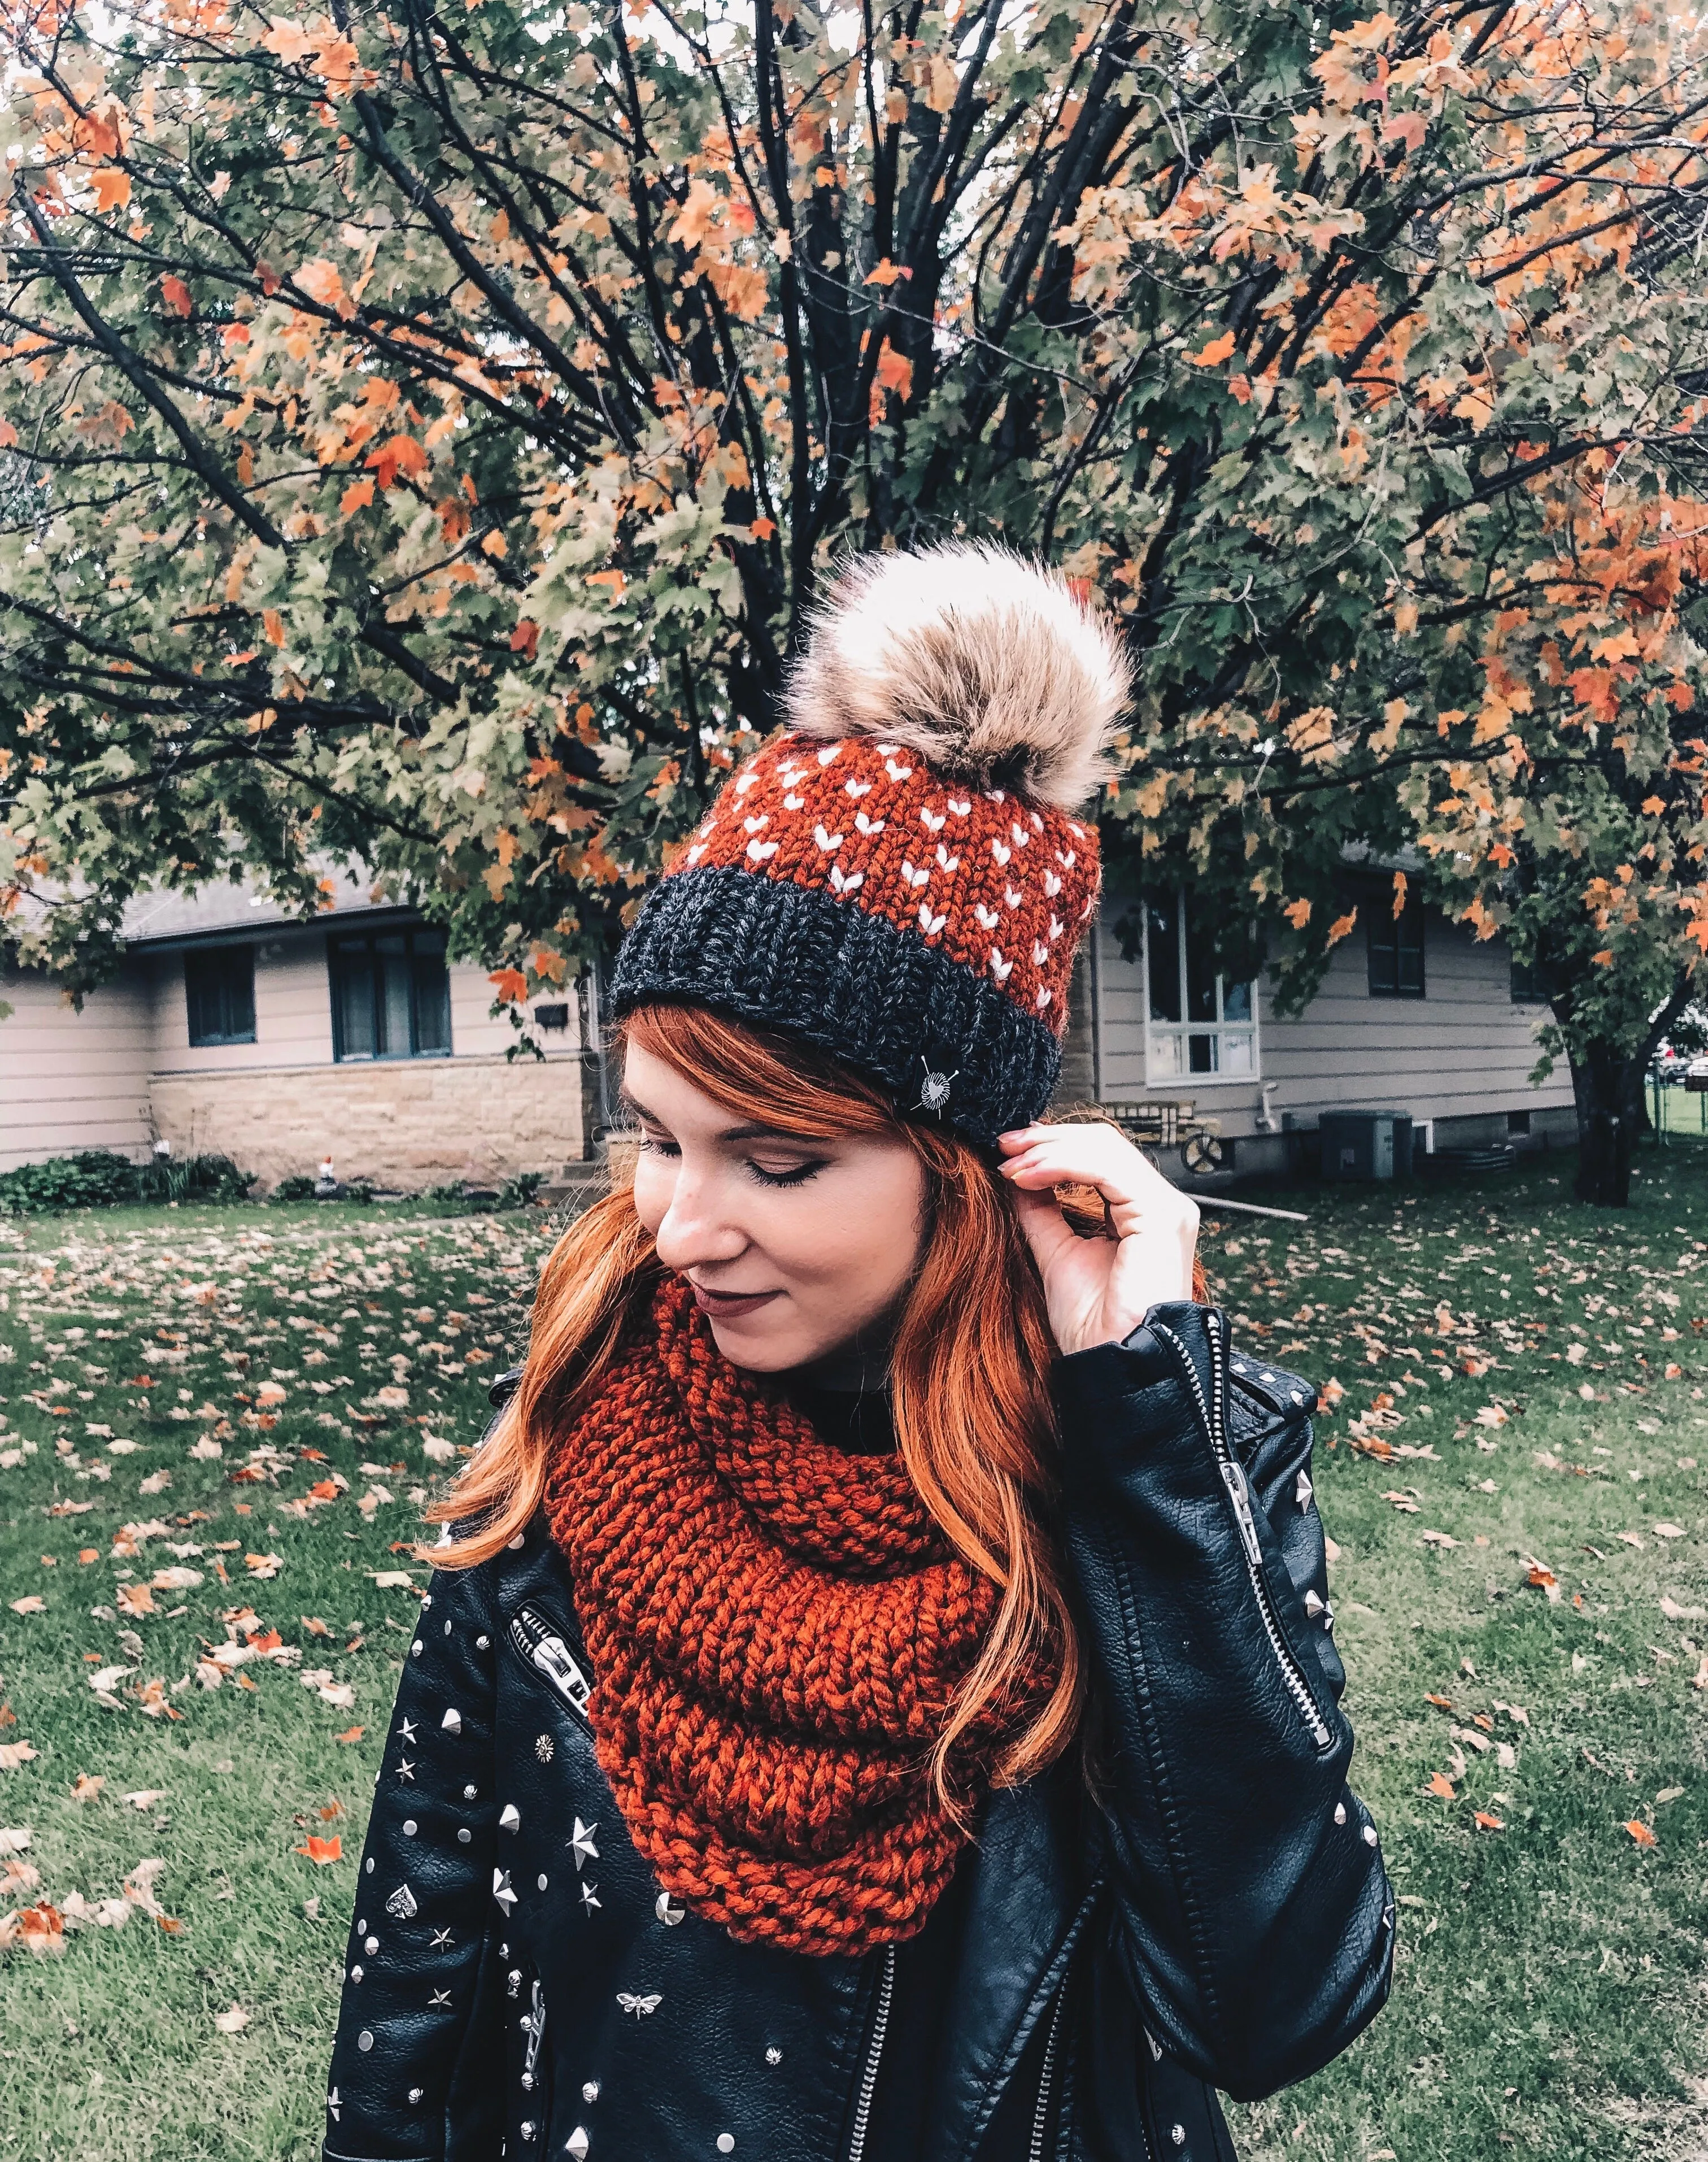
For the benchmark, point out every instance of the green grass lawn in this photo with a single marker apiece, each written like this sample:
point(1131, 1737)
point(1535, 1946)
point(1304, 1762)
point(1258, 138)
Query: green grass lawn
point(1510, 1473)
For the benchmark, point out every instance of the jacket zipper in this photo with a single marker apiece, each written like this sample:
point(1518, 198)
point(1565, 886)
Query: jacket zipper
point(1035, 2152)
point(541, 1647)
point(869, 2077)
point(1239, 1495)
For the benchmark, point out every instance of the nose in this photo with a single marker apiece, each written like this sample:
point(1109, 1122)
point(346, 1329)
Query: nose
point(696, 1226)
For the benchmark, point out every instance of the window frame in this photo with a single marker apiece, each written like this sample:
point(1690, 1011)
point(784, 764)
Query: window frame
point(1182, 1030)
point(1413, 911)
point(408, 933)
point(201, 958)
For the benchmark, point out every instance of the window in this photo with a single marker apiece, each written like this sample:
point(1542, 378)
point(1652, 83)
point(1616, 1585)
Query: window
point(1396, 950)
point(1198, 1023)
point(391, 996)
point(219, 990)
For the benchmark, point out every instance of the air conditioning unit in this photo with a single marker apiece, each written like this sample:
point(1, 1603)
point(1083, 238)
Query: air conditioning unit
point(1361, 1146)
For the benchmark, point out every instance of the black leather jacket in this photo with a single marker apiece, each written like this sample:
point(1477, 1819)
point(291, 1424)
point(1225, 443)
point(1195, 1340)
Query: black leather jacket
point(519, 1985)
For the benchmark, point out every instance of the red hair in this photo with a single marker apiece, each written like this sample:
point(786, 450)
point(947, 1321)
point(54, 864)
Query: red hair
point(970, 1362)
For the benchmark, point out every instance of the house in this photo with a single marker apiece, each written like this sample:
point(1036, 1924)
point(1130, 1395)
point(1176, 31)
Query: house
point(230, 1029)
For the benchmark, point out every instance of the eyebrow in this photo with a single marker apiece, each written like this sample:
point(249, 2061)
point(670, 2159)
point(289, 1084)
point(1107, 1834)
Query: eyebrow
point(751, 1133)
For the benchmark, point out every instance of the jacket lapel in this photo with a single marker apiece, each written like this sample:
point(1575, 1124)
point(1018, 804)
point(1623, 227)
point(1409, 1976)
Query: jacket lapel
point(1023, 1915)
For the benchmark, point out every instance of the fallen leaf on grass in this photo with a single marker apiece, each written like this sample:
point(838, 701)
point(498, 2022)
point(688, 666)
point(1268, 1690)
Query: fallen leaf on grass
point(177, 1580)
point(151, 1697)
point(157, 1482)
point(322, 1851)
point(30, 1605)
point(1675, 1612)
point(87, 1786)
point(232, 2021)
point(106, 1680)
point(263, 1565)
point(41, 1929)
point(1640, 1832)
point(14, 1753)
point(1485, 1822)
point(1403, 1502)
point(314, 1625)
point(134, 1598)
point(341, 1695)
point(1670, 1532)
point(393, 1579)
point(1544, 1580)
point(15, 1841)
point(1440, 1784)
point(1667, 1794)
point(1437, 1539)
point(1630, 1539)
point(351, 1734)
point(144, 1798)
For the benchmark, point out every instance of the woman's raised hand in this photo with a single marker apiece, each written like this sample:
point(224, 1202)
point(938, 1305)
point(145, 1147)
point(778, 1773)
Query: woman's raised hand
point(1099, 1290)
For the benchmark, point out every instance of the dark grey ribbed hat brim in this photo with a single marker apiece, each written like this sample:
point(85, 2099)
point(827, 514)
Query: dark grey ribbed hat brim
point(876, 997)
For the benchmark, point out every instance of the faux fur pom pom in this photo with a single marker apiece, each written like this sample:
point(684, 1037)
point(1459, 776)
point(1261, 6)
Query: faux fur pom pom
point(988, 666)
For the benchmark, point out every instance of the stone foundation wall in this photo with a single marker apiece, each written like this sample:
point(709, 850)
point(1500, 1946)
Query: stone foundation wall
point(411, 1123)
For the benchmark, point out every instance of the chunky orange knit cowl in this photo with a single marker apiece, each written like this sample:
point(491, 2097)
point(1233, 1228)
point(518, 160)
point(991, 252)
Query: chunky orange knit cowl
point(776, 1630)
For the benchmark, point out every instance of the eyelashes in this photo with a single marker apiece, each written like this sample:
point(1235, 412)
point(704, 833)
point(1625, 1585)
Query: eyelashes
point(798, 1177)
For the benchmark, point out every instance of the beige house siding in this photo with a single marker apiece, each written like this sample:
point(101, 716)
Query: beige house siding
point(70, 1080)
point(1462, 1055)
point(125, 1071)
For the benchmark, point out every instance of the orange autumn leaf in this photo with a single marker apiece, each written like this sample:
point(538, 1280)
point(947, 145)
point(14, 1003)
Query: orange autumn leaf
point(274, 625)
point(1297, 914)
point(1541, 1577)
point(511, 985)
point(1440, 1784)
point(887, 273)
point(1485, 1822)
point(524, 638)
point(356, 497)
point(111, 188)
point(1640, 1832)
point(322, 1851)
point(351, 1734)
point(1341, 926)
point(1215, 352)
point(176, 294)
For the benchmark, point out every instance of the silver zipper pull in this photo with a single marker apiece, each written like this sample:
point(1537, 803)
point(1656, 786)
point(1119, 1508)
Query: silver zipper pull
point(1234, 1479)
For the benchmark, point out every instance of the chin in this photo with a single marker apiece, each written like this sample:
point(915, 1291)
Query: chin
point(751, 1345)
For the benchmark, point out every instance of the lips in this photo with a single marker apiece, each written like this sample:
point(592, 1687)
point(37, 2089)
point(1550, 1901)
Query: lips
point(728, 1305)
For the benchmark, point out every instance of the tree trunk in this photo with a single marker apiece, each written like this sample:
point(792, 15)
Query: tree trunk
point(1608, 1088)
point(1609, 1083)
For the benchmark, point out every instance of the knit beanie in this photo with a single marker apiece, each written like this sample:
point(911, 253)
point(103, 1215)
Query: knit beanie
point(897, 876)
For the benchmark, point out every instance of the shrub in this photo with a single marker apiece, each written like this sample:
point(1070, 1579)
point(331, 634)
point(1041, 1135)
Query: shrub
point(297, 1186)
point(95, 1178)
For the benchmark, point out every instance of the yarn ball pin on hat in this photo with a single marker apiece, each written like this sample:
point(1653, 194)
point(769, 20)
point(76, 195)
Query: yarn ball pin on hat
point(898, 877)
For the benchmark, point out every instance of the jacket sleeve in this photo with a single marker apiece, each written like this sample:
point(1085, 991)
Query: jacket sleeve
point(419, 2031)
point(1252, 1912)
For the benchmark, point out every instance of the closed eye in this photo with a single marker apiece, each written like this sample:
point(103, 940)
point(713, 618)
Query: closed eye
point(797, 1175)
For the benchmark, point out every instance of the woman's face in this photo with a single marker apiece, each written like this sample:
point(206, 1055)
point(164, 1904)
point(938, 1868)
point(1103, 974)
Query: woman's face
point(795, 1248)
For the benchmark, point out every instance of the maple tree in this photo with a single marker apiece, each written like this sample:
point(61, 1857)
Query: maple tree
point(425, 434)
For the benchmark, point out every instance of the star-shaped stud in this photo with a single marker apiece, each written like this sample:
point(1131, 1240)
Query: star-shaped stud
point(589, 1897)
point(580, 1843)
point(441, 1940)
point(334, 2105)
point(406, 1731)
point(406, 1770)
point(440, 2000)
point(502, 1892)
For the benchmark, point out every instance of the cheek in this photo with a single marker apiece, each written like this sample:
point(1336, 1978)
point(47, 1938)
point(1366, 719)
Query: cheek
point(859, 1227)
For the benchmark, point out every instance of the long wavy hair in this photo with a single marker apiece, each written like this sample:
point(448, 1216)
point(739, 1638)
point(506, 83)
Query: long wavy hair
point(969, 1365)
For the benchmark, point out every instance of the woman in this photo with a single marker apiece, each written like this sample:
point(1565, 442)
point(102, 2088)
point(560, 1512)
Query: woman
point(877, 1701)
